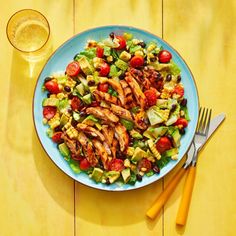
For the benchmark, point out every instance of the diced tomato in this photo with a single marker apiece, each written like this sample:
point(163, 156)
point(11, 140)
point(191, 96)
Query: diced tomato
point(151, 95)
point(181, 121)
point(99, 52)
point(56, 138)
point(104, 69)
point(75, 104)
point(116, 164)
point(84, 164)
point(52, 87)
point(136, 61)
point(49, 112)
point(144, 163)
point(179, 90)
point(73, 69)
point(103, 87)
point(163, 144)
point(122, 42)
point(164, 56)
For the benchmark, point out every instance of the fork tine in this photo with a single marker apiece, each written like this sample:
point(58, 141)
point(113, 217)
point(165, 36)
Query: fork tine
point(199, 114)
point(208, 123)
point(200, 121)
point(204, 124)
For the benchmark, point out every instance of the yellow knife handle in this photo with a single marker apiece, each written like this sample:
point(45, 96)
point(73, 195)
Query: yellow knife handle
point(164, 196)
point(186, 197)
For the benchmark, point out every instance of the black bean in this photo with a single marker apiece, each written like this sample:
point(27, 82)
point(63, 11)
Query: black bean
point(67, 89)
point(184, 102)
point(112, 35)
point(142, 44)
point(82, 113)
point(119, 155)
point(153, 59)
point(139, 177)
point(91, 83)
point(159, 75)
point(178, 78)
point(122, 76)
point(145, 63)
point(173, 107)
point(57, 129)
point(168, 77)
point(182, 131)
point(156, 169)
point(47, 79)
point(70, 96)
point(69, 110)
point(48, 95)
point(74, 122)
point(108, 181)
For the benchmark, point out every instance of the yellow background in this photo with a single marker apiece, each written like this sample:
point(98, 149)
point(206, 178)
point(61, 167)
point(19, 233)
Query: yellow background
point(36, 198)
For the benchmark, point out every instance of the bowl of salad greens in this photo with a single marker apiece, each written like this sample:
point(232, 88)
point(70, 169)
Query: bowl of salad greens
point(115, 108)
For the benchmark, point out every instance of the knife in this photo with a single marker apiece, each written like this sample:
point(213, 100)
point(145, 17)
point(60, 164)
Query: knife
point(164, 196)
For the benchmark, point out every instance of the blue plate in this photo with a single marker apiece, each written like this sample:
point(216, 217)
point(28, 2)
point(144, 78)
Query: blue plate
point(58, 62)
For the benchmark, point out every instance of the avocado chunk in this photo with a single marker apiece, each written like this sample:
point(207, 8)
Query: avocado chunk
point(138, 154)
point(54, 102)
point(113, 71)
point(97, 174)
point(176, 138)
point(80, 89)
point(135, 134)
point(112, 176)
point(121, 64)
point(64, 119)
point(160, 131)
point(171, 152)
point(64, 150)
point(153, 117)
point(85, 66)
point(87, 99)
point(126, 175)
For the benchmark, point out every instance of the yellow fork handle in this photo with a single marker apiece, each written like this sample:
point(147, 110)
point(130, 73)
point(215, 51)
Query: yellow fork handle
point(164, 196)
point(186, 197)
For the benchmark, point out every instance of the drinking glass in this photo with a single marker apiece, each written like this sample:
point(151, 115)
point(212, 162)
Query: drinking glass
point(28, 31)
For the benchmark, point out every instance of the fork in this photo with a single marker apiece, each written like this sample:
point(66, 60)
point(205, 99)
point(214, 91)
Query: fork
point(199, 139)
point(190, 164)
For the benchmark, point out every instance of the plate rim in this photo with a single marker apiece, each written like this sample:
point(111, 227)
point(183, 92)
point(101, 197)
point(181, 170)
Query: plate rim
point(96, 186)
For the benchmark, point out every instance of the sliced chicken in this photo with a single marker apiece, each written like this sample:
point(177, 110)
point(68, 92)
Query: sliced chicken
point(88, 149)
point(103, 114)
point(139, 119)
point(105, 96)
point(121, 112)
point(139, 95)
point(117, 86)
point(91, 131)
point(114, 147)
point(122, 136)
point(108, 133)
point(101, 151)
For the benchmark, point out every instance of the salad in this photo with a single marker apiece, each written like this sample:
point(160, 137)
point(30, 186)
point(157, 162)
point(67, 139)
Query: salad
point(118, 110)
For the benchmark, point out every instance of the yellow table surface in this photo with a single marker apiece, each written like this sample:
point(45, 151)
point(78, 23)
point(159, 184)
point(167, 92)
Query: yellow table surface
point(36, 198)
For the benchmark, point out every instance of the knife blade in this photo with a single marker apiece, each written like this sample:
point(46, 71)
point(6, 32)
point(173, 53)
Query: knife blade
point(214, 124)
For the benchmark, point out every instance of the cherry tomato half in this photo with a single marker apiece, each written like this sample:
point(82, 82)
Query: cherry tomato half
point(136, 61)
point(181, 121)
point(122, 42)
point(163, 144)
point(151, 95)
point(56, 138)
point(84, 164)
point(116, 164)
point(104, 69)
point(144, 163)
point(99, 52)
point(75, 103)
point(103, 87)
point(164, 56)
point(73, 69)
point(49, 112)
point(179, 90)
point(52, 87)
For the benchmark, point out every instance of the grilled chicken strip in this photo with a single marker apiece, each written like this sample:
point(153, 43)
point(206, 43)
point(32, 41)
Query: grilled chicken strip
point(88, 149)
point(139, 95)
point(139, 120)
point(121, 112)
point(117, 86)
point(108, 133)
point(122, 136)
point(114, 147)
point(101, 151)
point(105, 96)
point(91, 131)
point(103, 114)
